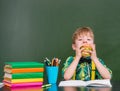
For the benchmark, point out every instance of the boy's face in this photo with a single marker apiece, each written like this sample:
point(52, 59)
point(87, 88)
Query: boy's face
point(83, 40)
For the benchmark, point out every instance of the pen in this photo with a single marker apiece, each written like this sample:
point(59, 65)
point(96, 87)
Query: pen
point(46, 85)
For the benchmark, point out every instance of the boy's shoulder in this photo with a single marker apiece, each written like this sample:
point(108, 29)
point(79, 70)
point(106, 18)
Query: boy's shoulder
point(69, 59)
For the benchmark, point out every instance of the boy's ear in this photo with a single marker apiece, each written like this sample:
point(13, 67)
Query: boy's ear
point(73, 46)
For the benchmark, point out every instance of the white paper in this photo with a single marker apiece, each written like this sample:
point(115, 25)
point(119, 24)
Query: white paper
point(1, 85)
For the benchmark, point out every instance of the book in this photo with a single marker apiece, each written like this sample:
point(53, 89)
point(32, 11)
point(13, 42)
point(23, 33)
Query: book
point(22, 70)
point(24, 75)
point(96, 83)
point(23, 80)
point(24, 88)
point(23, 84)
point(24, 65)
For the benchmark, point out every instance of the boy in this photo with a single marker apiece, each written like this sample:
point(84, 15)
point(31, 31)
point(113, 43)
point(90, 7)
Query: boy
point(79, 67)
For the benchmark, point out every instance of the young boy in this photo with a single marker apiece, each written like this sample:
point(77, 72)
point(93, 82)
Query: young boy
point(80, 67)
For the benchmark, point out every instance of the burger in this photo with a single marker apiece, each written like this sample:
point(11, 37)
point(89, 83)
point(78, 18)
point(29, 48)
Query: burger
point(85, 52)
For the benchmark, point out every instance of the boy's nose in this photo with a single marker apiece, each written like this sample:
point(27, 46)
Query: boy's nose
point(84, 41)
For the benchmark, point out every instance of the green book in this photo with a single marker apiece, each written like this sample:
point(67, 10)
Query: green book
point(24, 65)
point(24, 75)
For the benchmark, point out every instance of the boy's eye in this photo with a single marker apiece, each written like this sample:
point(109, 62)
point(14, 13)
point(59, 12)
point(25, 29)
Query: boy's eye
point(79, 39)
point(89, 39)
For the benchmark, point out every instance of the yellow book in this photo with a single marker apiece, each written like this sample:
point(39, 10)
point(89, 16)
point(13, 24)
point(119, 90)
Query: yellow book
point(23, 80)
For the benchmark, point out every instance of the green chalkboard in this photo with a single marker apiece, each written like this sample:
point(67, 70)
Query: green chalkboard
point(31, 30)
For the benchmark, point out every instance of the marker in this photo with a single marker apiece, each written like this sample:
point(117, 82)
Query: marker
point(59, 61)
point(47, 61)
point(46, 85)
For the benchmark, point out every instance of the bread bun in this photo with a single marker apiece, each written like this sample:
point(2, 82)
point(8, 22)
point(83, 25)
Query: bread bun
point(85, 52)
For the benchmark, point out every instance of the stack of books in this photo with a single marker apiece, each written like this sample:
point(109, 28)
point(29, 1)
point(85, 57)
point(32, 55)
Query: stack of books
point(18, 74)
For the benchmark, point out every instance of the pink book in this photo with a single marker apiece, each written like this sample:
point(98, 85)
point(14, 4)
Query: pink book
point(23, 84)
point(27, 88)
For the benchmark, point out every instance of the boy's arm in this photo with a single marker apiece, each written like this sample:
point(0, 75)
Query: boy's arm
point(69, 72)
point(100, 67)
point(104, 72)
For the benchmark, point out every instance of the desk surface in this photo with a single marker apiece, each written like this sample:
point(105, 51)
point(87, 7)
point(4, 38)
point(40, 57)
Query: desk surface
point(115, 87)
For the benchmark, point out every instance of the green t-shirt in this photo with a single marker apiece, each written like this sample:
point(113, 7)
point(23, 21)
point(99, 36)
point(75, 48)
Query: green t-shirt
point(83, 70)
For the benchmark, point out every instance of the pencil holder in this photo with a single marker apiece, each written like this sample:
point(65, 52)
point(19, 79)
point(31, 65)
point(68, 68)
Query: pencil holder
point(52, 74)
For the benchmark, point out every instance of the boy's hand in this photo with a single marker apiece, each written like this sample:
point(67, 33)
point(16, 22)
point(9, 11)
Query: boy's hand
point(93, 52)
point(78, 53)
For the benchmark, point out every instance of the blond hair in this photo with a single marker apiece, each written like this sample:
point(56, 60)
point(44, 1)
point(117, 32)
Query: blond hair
point(82, 31)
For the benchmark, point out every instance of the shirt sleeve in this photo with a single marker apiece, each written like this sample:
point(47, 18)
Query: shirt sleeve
point(67, 64)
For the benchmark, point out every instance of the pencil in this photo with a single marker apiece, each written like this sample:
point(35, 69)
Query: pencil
point(46, 85)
